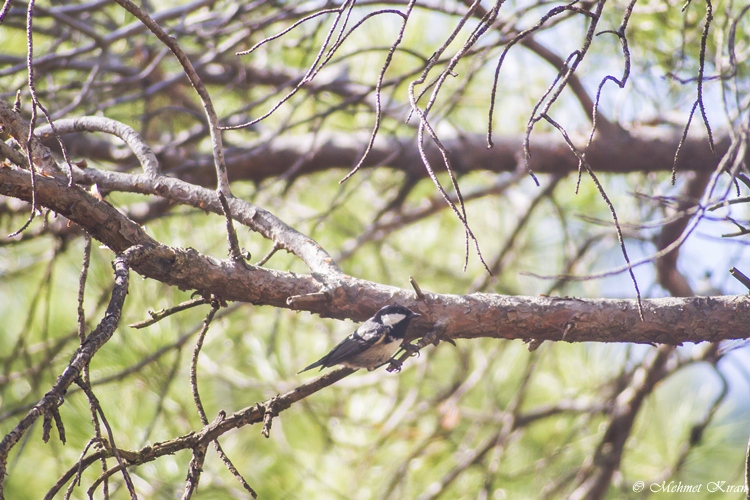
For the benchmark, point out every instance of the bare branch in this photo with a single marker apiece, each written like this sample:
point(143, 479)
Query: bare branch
point(80, 360)
point(213, 121)
point(669, 321)
point(140, 148)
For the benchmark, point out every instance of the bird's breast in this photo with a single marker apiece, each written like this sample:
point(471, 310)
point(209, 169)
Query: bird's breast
point(376, 355)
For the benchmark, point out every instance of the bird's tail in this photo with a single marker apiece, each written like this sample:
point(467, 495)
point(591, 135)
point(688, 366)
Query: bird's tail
point(314, 365)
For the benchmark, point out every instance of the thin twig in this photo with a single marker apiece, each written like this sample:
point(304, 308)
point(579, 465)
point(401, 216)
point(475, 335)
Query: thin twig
point(157, 316)
point(234, 246)
point(741, 277)
point(197, 83)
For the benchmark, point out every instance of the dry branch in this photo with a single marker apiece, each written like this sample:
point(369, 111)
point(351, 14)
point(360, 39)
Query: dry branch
point(669, 320)
point(642, 150)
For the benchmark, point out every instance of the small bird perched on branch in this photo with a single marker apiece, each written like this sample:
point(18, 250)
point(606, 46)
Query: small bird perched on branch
point(373, 343)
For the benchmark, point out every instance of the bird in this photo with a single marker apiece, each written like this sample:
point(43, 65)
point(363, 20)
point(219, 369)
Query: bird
point(373, 343)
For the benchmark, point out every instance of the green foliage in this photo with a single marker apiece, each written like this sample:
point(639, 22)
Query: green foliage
point(373, 435)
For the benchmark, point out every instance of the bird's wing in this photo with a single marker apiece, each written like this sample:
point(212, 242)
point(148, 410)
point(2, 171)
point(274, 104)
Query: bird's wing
point(356, 343)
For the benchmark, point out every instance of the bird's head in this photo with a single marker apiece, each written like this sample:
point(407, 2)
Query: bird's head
point(396, 317)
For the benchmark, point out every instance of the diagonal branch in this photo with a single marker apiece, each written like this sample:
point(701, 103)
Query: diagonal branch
point(257, 219)
point(202, 438)
point(82, 357)
point(668, 320)
point(195, 80)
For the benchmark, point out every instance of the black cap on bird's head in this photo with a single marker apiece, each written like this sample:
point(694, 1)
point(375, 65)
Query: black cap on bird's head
point(397, 317)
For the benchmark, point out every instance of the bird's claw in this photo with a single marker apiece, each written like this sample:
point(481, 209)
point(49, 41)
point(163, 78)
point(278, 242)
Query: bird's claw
point(412, 349)
point(394, 366)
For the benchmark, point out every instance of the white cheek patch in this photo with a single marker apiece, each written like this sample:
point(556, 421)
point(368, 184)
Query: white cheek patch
point(392, 319)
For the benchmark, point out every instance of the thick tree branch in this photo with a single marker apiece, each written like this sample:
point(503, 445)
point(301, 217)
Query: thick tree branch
point(643, 150)
point(669, 320)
